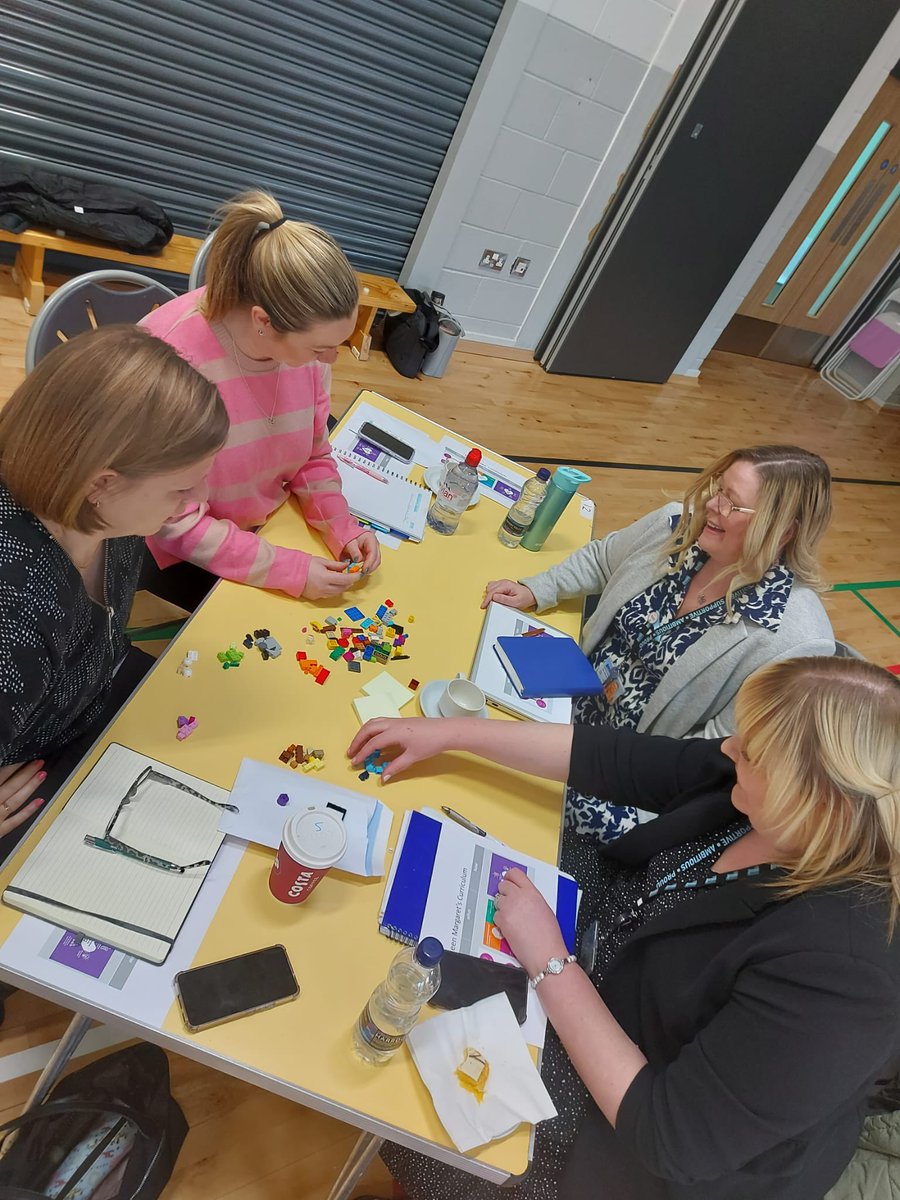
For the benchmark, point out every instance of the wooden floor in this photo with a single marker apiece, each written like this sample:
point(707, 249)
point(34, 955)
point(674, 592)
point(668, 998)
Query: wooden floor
point(247, 1145)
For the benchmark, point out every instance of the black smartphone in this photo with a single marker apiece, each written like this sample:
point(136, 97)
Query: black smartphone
point(386, 442)
point(466, 979)
point(220, 991)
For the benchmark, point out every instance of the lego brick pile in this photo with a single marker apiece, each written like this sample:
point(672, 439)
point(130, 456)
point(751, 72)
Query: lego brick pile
point(357, 639)
point(295, 756)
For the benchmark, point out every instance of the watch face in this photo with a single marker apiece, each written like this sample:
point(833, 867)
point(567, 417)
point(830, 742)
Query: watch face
point(555, 966)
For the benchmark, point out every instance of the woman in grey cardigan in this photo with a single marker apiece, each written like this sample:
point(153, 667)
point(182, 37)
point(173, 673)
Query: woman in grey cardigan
point(691, 603)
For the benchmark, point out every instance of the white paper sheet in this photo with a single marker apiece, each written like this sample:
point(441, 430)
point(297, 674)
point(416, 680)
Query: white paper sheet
point(261, 818)
point(348, 439)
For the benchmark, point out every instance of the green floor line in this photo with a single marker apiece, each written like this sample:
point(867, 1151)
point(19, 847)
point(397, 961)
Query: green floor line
point(881, 617)
point(855, 587)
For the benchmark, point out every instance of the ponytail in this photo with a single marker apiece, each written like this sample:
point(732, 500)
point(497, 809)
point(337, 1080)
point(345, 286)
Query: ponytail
point(295, 272)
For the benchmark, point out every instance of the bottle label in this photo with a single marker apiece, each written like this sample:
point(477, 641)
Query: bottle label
point(514, 528)
point(375, 1037)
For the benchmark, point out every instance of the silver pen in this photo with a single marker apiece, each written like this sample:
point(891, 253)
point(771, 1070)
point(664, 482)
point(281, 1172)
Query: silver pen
point(464, 821)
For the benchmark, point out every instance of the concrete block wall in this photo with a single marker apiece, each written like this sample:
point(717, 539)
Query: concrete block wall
point(548, 120)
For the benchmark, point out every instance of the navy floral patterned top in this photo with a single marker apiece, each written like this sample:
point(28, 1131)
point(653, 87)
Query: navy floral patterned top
point(641, 656)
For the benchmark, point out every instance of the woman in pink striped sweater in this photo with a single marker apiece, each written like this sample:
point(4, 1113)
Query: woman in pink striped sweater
point(280, 298)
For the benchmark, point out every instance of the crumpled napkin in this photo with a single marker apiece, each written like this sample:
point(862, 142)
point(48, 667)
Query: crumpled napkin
point(514, 1091)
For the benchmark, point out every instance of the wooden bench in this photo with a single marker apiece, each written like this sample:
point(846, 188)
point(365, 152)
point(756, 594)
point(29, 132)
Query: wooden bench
point(375, 291)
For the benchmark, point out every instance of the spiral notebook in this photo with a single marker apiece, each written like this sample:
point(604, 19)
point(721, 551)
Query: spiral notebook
point(114, 898)
point(385, 498)
point(442, 884)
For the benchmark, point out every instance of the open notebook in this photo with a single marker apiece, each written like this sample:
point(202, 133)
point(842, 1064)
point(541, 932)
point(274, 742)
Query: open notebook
point(385, 497)
point(116, 899)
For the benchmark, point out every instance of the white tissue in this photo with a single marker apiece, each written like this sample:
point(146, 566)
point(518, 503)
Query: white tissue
point(514, 1091)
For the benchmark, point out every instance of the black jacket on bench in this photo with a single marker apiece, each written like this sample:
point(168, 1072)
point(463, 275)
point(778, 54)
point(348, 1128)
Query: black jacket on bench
point(765, 1021)
point(58, 648)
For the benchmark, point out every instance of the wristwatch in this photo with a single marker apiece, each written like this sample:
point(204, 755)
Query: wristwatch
point(554, 967)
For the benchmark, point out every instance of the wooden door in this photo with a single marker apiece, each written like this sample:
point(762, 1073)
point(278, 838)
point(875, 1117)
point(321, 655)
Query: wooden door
point(848, 230)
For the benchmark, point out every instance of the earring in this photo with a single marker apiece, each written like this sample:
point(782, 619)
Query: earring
point(96, 503)
point(260, 332)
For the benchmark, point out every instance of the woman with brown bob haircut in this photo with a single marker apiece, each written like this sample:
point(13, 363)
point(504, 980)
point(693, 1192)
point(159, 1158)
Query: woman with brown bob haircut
point(109, 437)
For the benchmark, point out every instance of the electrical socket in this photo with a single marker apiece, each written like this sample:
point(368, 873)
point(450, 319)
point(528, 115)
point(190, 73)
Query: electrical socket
point(494, 260)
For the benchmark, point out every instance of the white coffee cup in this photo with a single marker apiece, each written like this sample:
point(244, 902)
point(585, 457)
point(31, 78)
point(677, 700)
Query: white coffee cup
point(461, 698)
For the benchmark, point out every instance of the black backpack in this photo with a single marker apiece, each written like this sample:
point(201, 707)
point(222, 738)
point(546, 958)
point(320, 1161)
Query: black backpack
point(114, 1119)
point(408, 337)
point(32, 195)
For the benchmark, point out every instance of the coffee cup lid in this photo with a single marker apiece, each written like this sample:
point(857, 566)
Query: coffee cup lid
point(316, 838)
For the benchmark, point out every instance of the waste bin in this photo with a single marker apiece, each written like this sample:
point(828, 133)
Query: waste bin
point(450, 332)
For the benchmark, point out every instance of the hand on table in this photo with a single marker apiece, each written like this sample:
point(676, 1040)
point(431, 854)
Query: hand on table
point(416, 738)
point(365, 549)
point(326, 578)
point(527, 922)
point(513, 595)
point(17, 782)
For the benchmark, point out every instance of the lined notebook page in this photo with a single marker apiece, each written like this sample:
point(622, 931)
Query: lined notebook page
point(399, 503)
point(118, 900)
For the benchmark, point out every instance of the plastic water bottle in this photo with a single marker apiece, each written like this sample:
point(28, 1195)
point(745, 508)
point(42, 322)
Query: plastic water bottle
point(560, 490)
point(393, 1008)
point(454, 494)
point(522, 512)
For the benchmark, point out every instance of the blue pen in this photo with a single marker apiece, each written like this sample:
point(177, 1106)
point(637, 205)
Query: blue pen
point(398, 533)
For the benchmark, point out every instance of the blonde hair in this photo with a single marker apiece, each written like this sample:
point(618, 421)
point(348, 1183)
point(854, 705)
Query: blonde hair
point(825, 733)
point(296, 272)
point(112, 399)
point(794, 499)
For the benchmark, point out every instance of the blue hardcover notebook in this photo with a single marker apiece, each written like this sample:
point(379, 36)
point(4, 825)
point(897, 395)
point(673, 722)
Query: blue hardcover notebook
point(547, 666)
point(443, 880)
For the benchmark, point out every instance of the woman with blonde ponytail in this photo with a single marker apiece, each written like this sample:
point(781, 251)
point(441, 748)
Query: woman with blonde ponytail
point(280, 298)
point(733, 995)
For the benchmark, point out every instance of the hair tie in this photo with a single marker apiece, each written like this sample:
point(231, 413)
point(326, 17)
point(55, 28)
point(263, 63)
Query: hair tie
point(268, 226)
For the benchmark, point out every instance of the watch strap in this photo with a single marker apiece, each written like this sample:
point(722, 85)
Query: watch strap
point(546, 971)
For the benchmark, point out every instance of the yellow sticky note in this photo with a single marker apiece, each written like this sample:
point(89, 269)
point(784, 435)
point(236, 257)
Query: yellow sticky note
point(386, 685)
point(369, 707)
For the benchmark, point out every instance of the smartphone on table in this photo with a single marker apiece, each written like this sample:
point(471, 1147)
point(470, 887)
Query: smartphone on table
point(234, 987)
point(386, 442)
point(466, 979)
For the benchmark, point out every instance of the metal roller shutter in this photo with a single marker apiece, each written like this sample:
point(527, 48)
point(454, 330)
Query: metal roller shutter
point(343, 108)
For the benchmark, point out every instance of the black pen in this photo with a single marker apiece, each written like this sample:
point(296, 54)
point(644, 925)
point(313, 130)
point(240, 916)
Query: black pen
point(464, 821)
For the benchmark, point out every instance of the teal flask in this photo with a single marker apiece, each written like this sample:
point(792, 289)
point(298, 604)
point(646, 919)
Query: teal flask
point(562, 487)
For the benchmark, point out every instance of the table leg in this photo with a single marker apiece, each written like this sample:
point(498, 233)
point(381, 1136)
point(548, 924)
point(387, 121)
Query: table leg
point(68, 1044)
point(367, 1146)
point(28, 274)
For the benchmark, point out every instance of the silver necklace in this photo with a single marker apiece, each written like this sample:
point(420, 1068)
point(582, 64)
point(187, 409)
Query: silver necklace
point(270, 416)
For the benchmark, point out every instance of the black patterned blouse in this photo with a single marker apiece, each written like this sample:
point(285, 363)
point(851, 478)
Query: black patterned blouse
point(58, 648)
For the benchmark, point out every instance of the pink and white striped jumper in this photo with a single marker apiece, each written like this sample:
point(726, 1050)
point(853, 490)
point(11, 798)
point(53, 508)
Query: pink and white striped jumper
point(261, 462)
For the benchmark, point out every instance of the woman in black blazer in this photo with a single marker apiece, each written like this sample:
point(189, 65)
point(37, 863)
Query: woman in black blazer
point(743, 991)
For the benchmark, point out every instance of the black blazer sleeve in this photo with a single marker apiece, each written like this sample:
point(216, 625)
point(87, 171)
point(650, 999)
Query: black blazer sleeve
point(641, 769)
point(801, 1031)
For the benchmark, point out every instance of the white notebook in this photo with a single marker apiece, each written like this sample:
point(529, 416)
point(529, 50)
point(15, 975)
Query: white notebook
point(117, 899)
point(385, 498)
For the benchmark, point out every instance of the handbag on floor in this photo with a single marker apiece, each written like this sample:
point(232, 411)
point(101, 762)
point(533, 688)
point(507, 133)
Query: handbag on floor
point(109, 1131)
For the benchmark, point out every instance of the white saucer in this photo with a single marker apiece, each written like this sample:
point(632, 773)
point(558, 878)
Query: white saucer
point(429, 695)
point(432, 478)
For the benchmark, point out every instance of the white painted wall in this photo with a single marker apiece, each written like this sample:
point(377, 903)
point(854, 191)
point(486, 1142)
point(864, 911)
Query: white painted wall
point(555, 116)
point(861, 94)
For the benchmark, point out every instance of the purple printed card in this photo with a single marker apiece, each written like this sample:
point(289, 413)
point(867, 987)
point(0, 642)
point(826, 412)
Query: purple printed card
point(507, 490)
point(366, 450)
point(82, 954)
point(499, 866)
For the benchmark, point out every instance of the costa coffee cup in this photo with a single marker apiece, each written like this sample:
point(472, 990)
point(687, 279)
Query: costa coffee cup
point(311, 843)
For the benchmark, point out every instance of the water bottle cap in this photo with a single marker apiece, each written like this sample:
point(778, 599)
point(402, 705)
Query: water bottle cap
point(429, 952)
point(543, 473)
point(473, 458)
point(568, 479)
